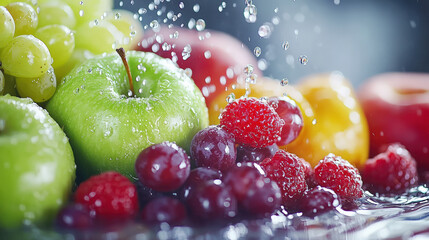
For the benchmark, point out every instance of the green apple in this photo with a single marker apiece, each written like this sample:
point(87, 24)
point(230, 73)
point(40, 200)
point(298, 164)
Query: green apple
point(108, 128)
point(37, 168)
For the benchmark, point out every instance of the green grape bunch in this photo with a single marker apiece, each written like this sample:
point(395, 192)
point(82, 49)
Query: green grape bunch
point(42, 41)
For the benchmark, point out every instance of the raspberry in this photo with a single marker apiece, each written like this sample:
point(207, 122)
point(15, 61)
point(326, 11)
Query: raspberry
point(309, 173)
point(109, 194)
point(252, 122)
point(337, 174)
point(287, 171)
point(393, 171)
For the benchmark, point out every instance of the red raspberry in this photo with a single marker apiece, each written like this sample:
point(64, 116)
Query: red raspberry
point(287, 171)
point(337, 174)
point(252, 122)
point(109, 194)
point(309, 173)
point(394, 170)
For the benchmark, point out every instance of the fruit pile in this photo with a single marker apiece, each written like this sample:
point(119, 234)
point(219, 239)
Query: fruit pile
point(135, 139)
point(41, 41)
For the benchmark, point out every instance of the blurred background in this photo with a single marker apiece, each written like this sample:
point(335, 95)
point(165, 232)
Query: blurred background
point(358, 38)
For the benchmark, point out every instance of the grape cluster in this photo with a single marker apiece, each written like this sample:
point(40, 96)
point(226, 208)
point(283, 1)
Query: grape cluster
point(41, 41)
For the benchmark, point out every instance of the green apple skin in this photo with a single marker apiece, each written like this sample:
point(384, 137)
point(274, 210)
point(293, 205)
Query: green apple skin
point(108, 129)
point(37, 168)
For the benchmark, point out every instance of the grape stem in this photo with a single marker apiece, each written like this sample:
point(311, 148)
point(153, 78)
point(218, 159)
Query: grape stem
point(121, 53)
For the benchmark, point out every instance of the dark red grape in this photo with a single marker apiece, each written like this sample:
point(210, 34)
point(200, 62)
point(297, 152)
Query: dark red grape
point(198, 176)
point(289, 111)
point(262, 198)
point(213, 147)
point(75, 217)
point(250, 154)
point(241, 177)
point(164, 209)
point(318, 200)
point(163, 167)
point(212, 201)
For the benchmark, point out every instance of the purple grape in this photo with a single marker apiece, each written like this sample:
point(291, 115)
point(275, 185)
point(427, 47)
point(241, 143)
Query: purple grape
point(262, 198)
point(75, 217)
point(241, 177)
point(163, 167)
point(318, 200)
point(214, 148)
point(198, 176)
point(212, 201)
point(289, 111)
point(164, 209)
point(251, 154)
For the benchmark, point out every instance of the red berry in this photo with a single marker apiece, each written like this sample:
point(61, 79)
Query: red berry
point(252, 122)
point(287, 171)
point(309, 173)
point(163, 167)
point(289, 111)
point(337, 174)
point(318, 200)
point(394, 170)
point(109, 194)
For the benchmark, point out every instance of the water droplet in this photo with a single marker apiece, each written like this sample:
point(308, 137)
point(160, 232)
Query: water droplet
point(250, 13)
point(264, 30)
point(81, 13)
point(191, 23)
point(230, 98)
point(186, 53)
point(285, 45)
point(257, 51)
point(155, 47)
point(222, 80)
point(181, 5)
point(284, 82)
point(276, 10)
point(262, 64)
point(76, 91)
point(188, 72)
point(201, 25)
point(303, 59)
point(336, 2)
point(166, 46)
point(142, 11)
point(154, 25)
point(208, 79)
point(196, 8)
point(207, 54)
point(252, 79)
point(90, 70)
point(130, 93)
point(248, 70)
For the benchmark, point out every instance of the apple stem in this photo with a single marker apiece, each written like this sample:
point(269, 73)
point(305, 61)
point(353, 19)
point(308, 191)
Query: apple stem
point(121, 53)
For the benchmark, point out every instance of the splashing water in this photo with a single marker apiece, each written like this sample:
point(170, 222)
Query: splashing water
point(250, 13)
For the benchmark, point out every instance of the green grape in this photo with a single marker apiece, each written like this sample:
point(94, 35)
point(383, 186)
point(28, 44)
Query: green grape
point(25, 56)
point(56, 13)
point(89, 10)
point(98, 37)
point(1, 82)
point(9, 85)
point(7, 27)
point(77, 57)
point(60, 41)
point(130, 27)
point(39, 89)
point(25, 17)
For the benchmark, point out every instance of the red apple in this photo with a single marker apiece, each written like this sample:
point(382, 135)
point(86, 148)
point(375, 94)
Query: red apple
point(397, 109)
point(216, 59)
